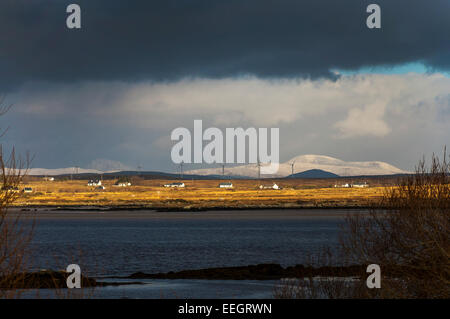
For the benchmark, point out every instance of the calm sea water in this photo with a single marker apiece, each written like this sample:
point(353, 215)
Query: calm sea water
point(121, 243)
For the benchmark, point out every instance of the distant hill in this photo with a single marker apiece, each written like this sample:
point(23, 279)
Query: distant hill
point(305, 166)
point(313, 173)
point(163, 175)
point(93, 174)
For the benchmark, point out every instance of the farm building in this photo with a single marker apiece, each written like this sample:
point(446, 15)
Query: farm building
point(347, 185)
point(122, 184)
point(177, 184)
point(123, 181)
point(274, 186)
point(361, 185)
point(94, 182)
point(225, 185)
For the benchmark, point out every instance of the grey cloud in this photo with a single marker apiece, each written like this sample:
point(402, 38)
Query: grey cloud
point(167, 40)
point(391, 118)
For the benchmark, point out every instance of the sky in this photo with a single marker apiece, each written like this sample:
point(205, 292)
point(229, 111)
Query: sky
point(110, 93)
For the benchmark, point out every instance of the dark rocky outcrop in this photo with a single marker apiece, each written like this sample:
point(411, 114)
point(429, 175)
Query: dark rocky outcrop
point(257, 272)
point(50, 280)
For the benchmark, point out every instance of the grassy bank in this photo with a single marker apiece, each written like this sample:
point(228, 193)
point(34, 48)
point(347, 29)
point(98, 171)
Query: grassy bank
point(197, 195)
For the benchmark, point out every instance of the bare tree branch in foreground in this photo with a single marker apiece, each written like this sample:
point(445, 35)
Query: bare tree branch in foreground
point(407, 234)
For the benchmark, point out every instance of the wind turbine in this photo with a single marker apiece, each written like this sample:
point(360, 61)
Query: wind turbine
point(292, 167)
point(259, 169)
point(181, 170)
point(75, 172)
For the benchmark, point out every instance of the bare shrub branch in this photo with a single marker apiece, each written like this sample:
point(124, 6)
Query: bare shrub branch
point(407, 234)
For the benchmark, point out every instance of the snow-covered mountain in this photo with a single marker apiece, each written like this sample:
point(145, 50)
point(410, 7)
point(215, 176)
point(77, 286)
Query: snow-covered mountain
point(307, 162)
point(97, 166)
point(301, 164)
point(61, 171)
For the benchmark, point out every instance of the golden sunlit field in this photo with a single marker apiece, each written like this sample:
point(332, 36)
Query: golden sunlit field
point(198, 194)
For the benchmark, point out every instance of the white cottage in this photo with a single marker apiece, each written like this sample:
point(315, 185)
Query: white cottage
point(177, 185)
point(94, 182)
point(274, 186)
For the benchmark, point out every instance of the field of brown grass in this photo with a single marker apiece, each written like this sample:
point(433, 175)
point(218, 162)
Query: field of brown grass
point(198, 194)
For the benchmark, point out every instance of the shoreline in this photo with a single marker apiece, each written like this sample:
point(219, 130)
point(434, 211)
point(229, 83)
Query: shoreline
point(267, 214)
point(254, 272)
point(187, 208)
point(81, 212)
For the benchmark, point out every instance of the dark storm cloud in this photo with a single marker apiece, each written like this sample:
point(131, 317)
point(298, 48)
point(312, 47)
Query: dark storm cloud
point(167, 40)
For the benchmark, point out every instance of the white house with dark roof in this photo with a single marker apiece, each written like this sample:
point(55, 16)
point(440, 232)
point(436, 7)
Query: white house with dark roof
point(175, 185)
point(94, 182)
point(226, 185)
point(274, 186)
